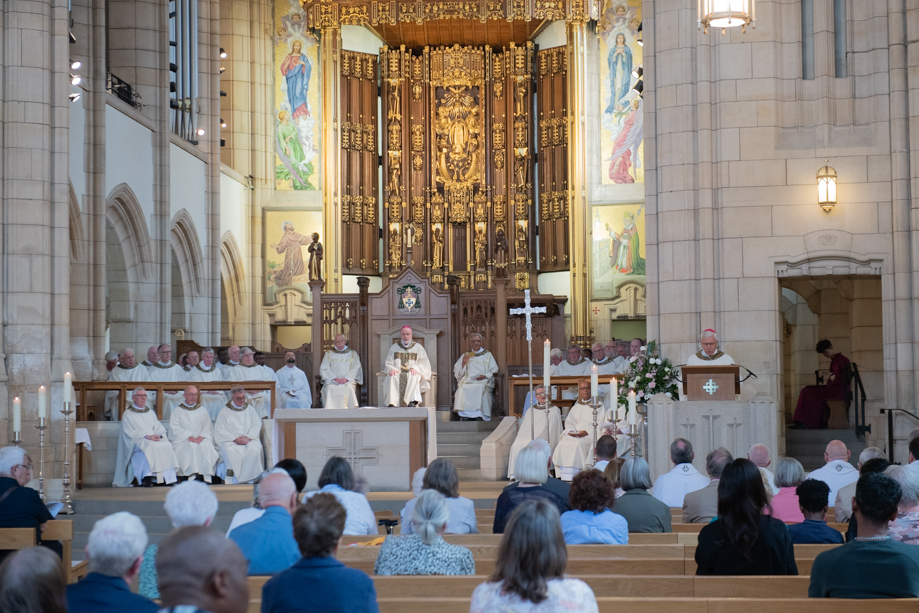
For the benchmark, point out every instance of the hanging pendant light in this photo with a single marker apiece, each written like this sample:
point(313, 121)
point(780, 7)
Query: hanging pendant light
point(727, 14)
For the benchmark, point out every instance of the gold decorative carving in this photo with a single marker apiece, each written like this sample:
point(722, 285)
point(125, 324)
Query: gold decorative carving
point(354, 15)
point(500, 208)
point(391, 12)
point(458, 211)
point(395, 246)
point(395, 170)
point(521, 167)
point(371, 210)
point(370, 138)
point(498, 135)
point(417, 162)
point(346, 208)
point(417, 138)
point(395, 208)
point(346, 58)
point(479, 213)
point(357, 136)
point(521, 203)
point(520, 133)
point(346, 135)
point(357, 209)
point(418, 210)
point(395, 134)
point(499, 160)
point(498, 75)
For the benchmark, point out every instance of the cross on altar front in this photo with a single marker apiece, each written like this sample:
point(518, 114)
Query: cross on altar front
point(354, 452)
point(528, 310)
point(711, 387)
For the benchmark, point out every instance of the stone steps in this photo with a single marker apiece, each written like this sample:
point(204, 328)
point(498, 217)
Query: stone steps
point(808, 446)
point(461, 441)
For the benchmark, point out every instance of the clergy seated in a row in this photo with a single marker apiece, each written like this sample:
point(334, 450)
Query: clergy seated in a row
point(573, 366)
point(475, 381)
point(146, 454)
point(236, 433)
point(709, 355)
point(203, 369)
point(127, 370)
point(408, 372)
point(541, 421)
point(341, 373)
point(164, 370)
point(293, 385)
point(192, 436)
point(248, 370)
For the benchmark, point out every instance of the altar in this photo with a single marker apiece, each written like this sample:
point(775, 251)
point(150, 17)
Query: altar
point(384, 445)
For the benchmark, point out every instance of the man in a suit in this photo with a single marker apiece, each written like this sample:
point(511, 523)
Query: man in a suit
point(115, 550)
point(319, 582)
point(701, 506)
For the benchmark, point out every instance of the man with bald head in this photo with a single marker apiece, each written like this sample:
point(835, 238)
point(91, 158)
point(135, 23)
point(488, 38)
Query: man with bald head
point(201, 569)
point(192, 436)
point(126, 370)
point(759, 455)
point(838, 472)
point(341, 373)
point(268, 542)
point(152, 357)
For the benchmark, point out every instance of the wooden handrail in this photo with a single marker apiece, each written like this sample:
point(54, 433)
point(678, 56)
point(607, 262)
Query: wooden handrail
point(125, 387)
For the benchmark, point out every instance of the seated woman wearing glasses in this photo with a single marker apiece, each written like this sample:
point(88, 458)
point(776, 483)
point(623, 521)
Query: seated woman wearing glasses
point(20, 506)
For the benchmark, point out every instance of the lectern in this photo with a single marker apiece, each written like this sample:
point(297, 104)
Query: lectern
point(711, 382)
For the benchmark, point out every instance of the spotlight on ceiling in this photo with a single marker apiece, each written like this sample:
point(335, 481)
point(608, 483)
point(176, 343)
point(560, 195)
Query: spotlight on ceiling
point(200, 131)
point(75, 65)
point(223, 54)
point(74, 97)
point(75, 79)
point(638, 72)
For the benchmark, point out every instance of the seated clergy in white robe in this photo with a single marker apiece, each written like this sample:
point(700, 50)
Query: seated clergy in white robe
point(475, 381)
point(152, 357)
point(534, 420)
point(164, 370)
point(192, 435)
point(206, 371)
point(248, 370)
point(236, 433)
point(293, 385)
point(341, 373)
point(709, 355)
point(145, 453)
point(574, 366)
point(126, 370)
point(408, 372)
point(575, 449)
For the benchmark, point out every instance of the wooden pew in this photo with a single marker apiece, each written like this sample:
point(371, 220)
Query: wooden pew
point(14, 539)
point(62, 530)
point(669, 538)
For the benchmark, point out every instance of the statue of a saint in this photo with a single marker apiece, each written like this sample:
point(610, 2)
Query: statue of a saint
point(481, 248)
point(395, 248)
point(521, 244)
point(501, 248)
point(437, 249)
point(315, 263)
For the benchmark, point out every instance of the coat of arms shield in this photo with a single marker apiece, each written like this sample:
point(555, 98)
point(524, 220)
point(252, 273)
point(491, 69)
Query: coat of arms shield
point(409, 298)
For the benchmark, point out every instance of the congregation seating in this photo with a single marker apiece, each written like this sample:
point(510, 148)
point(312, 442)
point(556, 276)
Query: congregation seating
point(14, 539)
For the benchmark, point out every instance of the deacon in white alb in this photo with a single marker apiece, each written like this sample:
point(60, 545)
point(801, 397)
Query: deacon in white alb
point(408, 372)
point(146, 454)
point(126, 370)
point(527, 426)
point(575, 450)
point(206, 371)
point(248, 370)
point(192, 435)
point(709, 354)
point(164, 370)
point(294, 388)
point(574, 366)
point(475, 381)
point(236, 433)
point(341, 373)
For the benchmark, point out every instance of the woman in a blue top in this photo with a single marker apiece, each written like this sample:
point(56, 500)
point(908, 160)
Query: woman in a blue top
point(590, 520)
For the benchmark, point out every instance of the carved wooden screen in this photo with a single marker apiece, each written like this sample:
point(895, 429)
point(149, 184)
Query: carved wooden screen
point(359, 163)
point(340, 316)
point(477, 315)
point(552, 104)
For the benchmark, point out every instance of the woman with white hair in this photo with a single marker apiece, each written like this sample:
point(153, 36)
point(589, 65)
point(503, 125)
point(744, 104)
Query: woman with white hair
point(191, 503)
point(425, 552)
point(21, 506)
point(532, 471)
point(32, 581)
point(905, 528)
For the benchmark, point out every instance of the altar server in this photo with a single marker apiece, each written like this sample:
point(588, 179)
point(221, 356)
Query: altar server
point(236, 432)
point(408, 372)
point(126, 370)
point(537, 412)
point(145, 454)
point(293, 385)
point(206, 371)
point(192, 437)
point(341, 373)
point(709, 355)
point(575, 450)
point(475, 381)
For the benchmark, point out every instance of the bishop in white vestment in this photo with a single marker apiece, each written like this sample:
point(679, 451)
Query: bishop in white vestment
point(341, 373)
point(293, 385)
point(206, 371)
point(575, 450)
point(475, 381)
point(538, 413)
point(164, 370)
point(248, 370)
point(236, 433)
point(573, 366)
point(144, 451)
point(126, 370)
point(192, 437)
point(408, 372)
point(709, 355)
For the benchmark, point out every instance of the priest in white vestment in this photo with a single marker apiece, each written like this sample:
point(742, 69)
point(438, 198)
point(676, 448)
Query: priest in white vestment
point(575, 449)
point(341, 373)
point(709, 355)
point(475, 381)
point(236, 433)
point(574, 366)
point(535, 420)
point(126, 370)
point(192, 435)
point(152, 356)
point(167, 371)
point(248, 370)
point(206, 371)
point(293, 385)
point(408, 372)
point(228, 357)
point(145, 453)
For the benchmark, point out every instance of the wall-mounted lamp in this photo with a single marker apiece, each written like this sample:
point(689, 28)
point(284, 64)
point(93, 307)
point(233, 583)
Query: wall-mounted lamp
point(223, 54)
point(826, 187)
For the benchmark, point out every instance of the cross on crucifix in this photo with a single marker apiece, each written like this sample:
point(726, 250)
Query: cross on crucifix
point(528, 310)
point(711, 387)
point(354, 452)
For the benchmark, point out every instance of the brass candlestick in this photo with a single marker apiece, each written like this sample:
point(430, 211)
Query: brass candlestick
point(41, 458)
point(67, 498)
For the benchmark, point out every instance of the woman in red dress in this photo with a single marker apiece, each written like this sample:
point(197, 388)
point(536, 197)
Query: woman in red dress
point(812, 410)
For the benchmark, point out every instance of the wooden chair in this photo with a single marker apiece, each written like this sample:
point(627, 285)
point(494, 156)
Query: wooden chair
point(14, 539)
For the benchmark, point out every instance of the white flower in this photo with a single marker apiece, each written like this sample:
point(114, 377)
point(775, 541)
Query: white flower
point(633, 383)
point(666, 370)
point(659, 362)
point(649, 375)
point(644, 348)
point(632, 359)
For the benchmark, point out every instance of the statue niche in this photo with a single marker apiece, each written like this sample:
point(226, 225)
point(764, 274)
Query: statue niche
point(458, 131)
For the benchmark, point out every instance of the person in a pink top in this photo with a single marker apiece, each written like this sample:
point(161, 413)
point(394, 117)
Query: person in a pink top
point(789, 474)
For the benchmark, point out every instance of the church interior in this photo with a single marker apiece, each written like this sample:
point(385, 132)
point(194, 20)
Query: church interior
point(503, 178)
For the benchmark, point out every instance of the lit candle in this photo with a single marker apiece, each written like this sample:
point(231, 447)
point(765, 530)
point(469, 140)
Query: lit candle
point(594, 383)
point(546, 368)
point(68, 387)
point(42, 402)
point(614, 390)
point(17, 415)
point(633, 409)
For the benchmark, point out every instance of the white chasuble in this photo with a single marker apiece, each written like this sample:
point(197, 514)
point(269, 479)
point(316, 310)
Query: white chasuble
point(169, 373)
point(135, 425)
point(474, 398)
point(194, 458)
point(294, 388)
point(527, 424)
point(243, 462)
point(700, 358)
point(212, 400)
point(572, 369)
point(261, 400)
point(135, 374)
point(344, 364)
point(573, 454)
point(404, 388)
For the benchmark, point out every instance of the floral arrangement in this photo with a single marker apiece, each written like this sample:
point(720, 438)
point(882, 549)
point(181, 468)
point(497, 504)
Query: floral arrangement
point(648, 375)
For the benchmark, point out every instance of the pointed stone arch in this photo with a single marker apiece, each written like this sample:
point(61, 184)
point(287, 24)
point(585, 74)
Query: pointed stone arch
point(77, 236)
point(123, 210)
point(187, 248)
point(233, 275)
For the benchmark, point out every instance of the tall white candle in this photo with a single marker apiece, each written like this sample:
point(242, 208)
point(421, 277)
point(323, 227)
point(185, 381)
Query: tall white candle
point(633, 409)
point(42, 402)
point(594, 382)
point(68, 387)
point(614, 390)
point(17, 415)
point(546, 368)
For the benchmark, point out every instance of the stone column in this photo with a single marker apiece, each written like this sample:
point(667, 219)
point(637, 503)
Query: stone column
point(330, 63)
